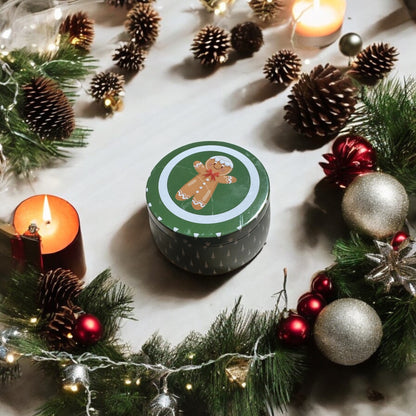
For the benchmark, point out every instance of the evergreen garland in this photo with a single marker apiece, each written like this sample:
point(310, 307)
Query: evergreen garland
point(24, 148)
point(274, 370)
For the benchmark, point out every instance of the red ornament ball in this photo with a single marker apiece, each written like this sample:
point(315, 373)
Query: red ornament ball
point(293, 330)
point(398, 239)
point(310, 304)
point(322, 284)
point(351, 156)
point(88, 329)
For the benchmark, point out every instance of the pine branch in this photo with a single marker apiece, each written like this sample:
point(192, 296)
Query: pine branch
point(109, 300)
point(25, 149)
point(20, 304)
point(387, 119)
point(398, 346)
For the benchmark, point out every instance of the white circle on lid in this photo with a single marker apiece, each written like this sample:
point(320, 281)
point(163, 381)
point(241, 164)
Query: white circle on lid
point(214, 218)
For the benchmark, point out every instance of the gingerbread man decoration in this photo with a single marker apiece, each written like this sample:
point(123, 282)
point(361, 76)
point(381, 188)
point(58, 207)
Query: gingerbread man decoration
point(202, 186)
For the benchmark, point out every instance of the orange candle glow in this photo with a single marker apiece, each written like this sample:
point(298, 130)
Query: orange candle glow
point(318, 19)
point(59, 229)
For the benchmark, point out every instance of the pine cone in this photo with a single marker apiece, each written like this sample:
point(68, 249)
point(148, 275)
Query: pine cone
point(106, 84)
point(266, 10)
point(58, 331)
point(374, 62)
point(127, 3)
point(79, 29)
point(211, 45)
point(282, 67)
point(130, 57)
point(47, 109)
point(143, 24)
point(246, 38)
point(321, 103)
point(57, 288)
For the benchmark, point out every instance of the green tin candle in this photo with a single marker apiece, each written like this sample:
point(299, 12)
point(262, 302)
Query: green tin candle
point(208, 205)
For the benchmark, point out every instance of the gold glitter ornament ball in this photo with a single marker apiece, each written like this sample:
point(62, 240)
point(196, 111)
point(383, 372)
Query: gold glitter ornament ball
point(348, 331)
point(375, 204)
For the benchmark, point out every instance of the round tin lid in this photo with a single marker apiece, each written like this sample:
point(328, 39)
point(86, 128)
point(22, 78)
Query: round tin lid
point(207, 189)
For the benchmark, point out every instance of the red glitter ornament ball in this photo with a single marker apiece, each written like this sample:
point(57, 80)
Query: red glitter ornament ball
point(351, 156)
point(293, 330)
point(322, 284)
point(398, 239)
point(310, 304)
point(88, 329)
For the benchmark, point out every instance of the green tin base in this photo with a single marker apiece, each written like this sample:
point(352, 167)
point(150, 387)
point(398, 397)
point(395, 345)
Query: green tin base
point(207, 256)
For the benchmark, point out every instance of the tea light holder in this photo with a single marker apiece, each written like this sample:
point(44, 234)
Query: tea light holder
point(317, 23)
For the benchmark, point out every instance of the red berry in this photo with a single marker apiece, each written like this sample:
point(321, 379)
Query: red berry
point(293, 330)
point(398, 239)
point(310, 304)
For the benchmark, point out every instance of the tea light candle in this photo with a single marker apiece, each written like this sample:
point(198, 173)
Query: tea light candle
point(318, 22)
point(59, 229)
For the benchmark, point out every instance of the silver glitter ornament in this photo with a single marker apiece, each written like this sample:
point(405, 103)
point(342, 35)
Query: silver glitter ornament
point(348, 331)
point(395, 267)
point(375, 204)
point(75, 376)
point(350, 44)
point(9, 334)
point(164, 404)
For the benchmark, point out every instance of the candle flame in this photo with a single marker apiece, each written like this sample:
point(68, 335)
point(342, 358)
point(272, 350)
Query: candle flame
point(316, 4)
point(47, 217)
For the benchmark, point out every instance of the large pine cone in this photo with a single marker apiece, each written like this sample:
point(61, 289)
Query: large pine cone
point(47, 110)
point(374, 62)
point(321, 103)
point(57, 288)
point(59, 330)
point(80, 30)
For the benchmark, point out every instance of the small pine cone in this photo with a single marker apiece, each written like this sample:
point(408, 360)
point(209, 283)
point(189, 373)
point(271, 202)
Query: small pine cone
point(130, 57)
point(374, 62)
point(79, 29)
point(321, 103)
point(56, 288)
point(266, 10)
point(246, 38)
point(58, 331)
point(142, 23)
point(211, 45)
point(47, 110)
point(282, 67)
point(106, 84)
point(127, 3)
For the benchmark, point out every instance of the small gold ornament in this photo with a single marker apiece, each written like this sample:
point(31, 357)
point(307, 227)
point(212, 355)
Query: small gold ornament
point(237, 371)
point(113, 103)
point(217, 6)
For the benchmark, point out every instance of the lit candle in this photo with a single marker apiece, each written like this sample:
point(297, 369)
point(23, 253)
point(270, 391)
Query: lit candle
point(318, 22)
point(57, 223)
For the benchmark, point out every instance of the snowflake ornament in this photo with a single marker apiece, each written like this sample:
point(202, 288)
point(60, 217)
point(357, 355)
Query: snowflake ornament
point(395, 267)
